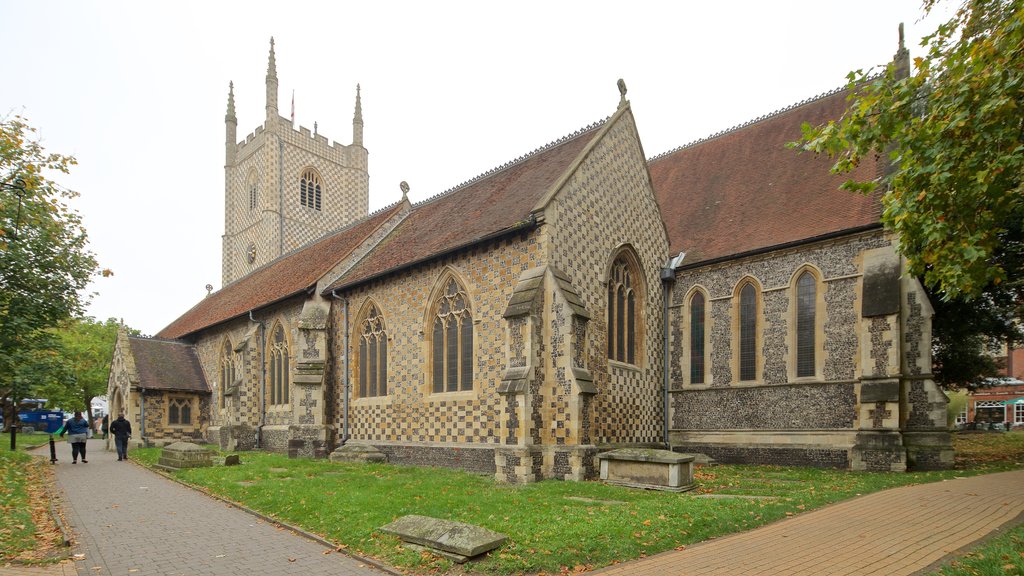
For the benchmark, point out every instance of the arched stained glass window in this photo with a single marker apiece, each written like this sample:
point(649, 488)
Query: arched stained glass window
point(748, 332)
point(278, 370)
point(806, 294)
point(373, 355)
point(697, 338)
point(227, 370)
point(452, 340)
point(310, 189)
point(623, 311)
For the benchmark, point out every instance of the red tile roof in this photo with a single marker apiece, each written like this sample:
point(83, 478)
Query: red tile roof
point(167, 365)
point(497, 202)
point(743, 190)
point(286, 276)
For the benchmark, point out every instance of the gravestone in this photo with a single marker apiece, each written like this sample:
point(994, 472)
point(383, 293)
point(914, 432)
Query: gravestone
point(358, 453)
point(648, 468)
point(184, 455)
point(456, 541)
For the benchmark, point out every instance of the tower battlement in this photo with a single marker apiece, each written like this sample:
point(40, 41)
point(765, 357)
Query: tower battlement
point(286, 186)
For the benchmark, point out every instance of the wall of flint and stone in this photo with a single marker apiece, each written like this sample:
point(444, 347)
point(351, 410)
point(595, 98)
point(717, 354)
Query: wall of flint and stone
point(155, 413)
point(411, 414)
point(242, 410)
point(606, 204)
point(773, 403)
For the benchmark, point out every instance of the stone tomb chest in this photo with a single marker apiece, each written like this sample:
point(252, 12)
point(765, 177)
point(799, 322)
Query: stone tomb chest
point(648, 468)
point(184, 455)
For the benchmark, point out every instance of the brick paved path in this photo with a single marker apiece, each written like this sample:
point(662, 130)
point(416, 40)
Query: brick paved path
point(900, 531)
point(129, 521)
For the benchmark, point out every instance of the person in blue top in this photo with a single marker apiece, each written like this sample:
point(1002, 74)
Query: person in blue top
point(77, 429)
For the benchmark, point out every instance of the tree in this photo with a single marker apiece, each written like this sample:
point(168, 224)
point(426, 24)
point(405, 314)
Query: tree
point(44, 263)
point(953, 135)
point(86, 347)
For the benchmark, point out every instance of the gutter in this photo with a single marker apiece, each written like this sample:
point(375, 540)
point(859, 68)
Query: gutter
point(668, 279)
point(142, 415)
point(793, 244)
point(345, 374)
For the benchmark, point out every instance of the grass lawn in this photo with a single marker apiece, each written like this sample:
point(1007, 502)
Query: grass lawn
point(553, 526)
point(28, 533)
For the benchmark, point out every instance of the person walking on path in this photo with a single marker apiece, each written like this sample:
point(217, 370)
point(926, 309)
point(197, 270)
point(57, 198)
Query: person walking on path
point(122, 431)
point(105, 426)
point(77, 429)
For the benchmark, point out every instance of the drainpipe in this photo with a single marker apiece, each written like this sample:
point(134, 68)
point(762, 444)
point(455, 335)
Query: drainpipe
point(142, 415)
point(668, 278)
point(345, 376)
point(263, 383)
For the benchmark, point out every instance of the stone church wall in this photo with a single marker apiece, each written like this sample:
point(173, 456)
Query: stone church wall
point(411, 423)
point(237, 424)
point(606, 205)
point(777, 417)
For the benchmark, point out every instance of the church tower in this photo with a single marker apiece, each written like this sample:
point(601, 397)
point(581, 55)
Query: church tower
point(285, 187)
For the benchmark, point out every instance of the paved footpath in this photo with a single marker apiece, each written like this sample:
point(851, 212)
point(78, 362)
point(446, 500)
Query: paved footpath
point(129, 521)
point(906, 530)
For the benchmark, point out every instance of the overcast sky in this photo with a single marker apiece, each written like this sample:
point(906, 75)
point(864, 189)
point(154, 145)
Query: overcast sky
point(137, 92)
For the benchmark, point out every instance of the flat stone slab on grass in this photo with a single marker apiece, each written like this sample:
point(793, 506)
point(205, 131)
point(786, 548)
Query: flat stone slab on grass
point(184, 455)
point(446, 535)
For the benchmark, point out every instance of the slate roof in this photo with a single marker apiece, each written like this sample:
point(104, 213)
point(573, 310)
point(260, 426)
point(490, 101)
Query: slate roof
point(497, 202)
point(282, 278)
point(743, 190)
point(167, 365)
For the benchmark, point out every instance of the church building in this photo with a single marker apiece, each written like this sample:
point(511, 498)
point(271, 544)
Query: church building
point(723, 298)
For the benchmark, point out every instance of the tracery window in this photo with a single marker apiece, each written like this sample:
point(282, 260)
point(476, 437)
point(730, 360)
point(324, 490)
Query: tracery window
point(806, 296)
point(278, 369)
point(179, 411)
point(748, 332)
point(373, 355)
point(227, 370)
point(310, 189)
point(452, 340)
point(623, 311)
point(697, 338)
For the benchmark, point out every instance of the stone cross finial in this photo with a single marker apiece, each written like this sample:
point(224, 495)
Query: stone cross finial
point(405, 190)
point(901, 59)
point(622, 91)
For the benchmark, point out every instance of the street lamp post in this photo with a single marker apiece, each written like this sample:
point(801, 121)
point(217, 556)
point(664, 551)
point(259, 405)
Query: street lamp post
point(19, 187)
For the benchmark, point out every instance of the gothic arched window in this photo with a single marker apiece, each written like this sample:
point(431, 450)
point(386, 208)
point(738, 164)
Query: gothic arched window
point(310, 189)
point(278, 369)
point(452, 340)
point(373, 355)
point(623, 310)
point(227, 370)
point(806, 296)
point(748, 332)
point(697, 338)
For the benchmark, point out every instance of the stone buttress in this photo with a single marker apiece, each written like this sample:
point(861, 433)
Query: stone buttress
point(547, 388)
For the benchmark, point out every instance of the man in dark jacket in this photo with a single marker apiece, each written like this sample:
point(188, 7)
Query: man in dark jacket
point(122, 431)
point(77, 429)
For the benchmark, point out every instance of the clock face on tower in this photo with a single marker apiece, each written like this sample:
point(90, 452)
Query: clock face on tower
point(250, 253)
